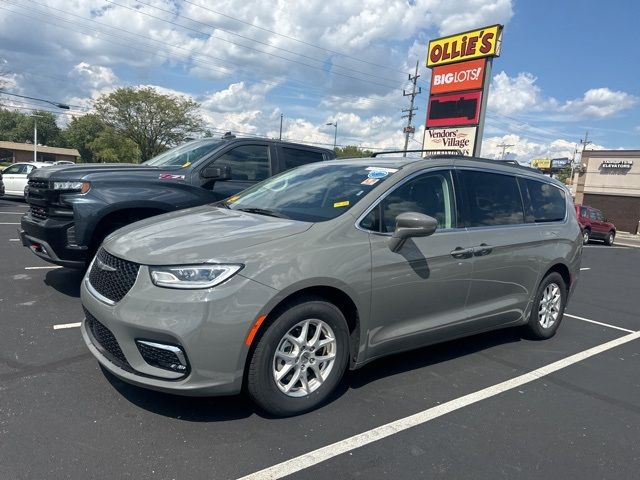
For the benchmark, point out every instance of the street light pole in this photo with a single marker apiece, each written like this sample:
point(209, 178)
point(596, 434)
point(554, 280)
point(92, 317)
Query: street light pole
point(35, 138)
point(335, 134)
point(281, 115)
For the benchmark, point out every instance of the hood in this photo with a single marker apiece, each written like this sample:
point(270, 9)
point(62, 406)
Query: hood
point(86, 171)
point(198, 235)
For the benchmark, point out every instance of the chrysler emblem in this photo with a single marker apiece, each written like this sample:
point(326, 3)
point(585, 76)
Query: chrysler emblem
point(103, 266)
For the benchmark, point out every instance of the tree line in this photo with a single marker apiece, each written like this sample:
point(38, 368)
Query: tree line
point(128, 125)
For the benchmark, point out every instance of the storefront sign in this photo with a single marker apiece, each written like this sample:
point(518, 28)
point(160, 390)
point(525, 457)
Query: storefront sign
point(458, 109)
point(479, 43)
point(541, 163)
point(458, 77)
point(462, 138)
point(621, 164)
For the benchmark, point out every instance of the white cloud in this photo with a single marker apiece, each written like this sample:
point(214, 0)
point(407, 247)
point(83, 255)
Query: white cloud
point(524, 150)
point(236, 97)
point(509, 95)
point(599, 103)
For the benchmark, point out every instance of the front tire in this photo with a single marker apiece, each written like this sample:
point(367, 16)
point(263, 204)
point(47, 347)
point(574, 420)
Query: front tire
point(586, 234)
point(548, 307)
point(610, 238)
point(300, 359)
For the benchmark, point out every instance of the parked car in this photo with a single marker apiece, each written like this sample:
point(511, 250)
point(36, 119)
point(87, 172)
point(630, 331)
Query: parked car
point(329, 266)
point(1, 185)
point(64, 162)
point(594, 225)
point(74, 207)
point(15, 177)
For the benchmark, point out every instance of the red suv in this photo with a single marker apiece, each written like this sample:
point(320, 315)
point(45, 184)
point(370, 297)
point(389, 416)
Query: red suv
point(594, 225)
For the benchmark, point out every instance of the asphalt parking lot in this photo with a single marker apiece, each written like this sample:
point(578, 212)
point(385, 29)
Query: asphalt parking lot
point(491, 406)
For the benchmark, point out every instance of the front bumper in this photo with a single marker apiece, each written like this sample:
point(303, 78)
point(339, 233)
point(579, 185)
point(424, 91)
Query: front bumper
point(210, 326)
point(48, 239)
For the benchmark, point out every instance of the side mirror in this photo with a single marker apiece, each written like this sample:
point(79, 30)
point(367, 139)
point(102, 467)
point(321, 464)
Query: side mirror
point(216, 172)
point(411, 224)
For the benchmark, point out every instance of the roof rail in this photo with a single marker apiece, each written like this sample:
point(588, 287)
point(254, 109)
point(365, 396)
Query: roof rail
point(430, 152)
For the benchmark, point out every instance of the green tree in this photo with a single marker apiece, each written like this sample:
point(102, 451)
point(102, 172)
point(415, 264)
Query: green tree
point(563, 174)
point(48, 131)
point(152, 120)
point(352, 151)
point(81, 132)
point(112, 147)
point(9, 121)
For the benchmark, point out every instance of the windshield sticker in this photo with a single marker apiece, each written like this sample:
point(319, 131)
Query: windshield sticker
point(233, 199)
point(377, 174)
point(170, 176)
point(188, 164)
point(370, 181)
point(341, 204)
point(383, 169)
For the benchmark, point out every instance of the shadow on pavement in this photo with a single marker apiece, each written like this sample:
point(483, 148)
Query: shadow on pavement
point(65, 280)
point(213, 409)
point(190, 409)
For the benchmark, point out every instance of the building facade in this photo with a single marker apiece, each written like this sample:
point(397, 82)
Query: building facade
point(23, 152)
point(609, 180)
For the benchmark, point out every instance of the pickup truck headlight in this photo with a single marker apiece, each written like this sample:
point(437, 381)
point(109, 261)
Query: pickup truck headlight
point(192, 276)
point(82, 187)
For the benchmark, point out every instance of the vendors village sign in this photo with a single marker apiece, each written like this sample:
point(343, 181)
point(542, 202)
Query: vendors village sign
point(461, 73)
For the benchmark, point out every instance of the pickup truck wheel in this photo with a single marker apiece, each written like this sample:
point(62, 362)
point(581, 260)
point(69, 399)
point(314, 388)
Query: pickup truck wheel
point(548, 307)
point(300, 359)
point(99, 237)
point(610, 238)
point(585, 236)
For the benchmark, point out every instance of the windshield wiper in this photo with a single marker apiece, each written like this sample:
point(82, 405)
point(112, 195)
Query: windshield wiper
point(262, 211)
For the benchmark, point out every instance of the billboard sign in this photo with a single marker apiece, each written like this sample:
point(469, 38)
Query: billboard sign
point(458, 77)
point(542, 163)
point(469, 45)
point(462, 138)
point(454, 109)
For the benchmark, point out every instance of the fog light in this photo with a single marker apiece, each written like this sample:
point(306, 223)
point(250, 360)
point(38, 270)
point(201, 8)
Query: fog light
point(166, 357)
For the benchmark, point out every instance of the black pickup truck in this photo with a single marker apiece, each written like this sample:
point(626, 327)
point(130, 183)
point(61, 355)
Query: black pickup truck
point(73, 208)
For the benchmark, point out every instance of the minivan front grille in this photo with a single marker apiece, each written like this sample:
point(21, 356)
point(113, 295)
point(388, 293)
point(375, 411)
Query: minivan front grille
point(112, 277)
point(106, 342)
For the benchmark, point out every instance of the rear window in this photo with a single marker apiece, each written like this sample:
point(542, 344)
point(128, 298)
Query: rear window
point(547, 202)
point(295, 157)
point(492, 199)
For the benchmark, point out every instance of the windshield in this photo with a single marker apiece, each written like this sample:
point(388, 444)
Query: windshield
point(184, 155)
point(313, 193)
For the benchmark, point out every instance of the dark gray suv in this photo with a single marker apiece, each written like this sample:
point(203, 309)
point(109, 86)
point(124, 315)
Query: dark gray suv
point(329, 266)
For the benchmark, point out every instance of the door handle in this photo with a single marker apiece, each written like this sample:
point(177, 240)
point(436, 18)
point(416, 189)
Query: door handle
point(460, 252)
point(482, 250)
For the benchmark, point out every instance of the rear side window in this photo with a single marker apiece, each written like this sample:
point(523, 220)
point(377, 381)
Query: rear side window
point(14, 170)
point(492, 199)
point(547, 202)
point(294, 157)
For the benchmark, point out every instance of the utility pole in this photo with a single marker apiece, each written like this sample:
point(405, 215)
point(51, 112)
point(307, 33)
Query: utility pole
point(35, 138)
point(409, 129)
point(281, 115)
point(504, 147)
point(586, 141)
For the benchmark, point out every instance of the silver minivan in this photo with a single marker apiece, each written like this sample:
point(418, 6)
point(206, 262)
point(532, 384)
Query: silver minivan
point(280, 289)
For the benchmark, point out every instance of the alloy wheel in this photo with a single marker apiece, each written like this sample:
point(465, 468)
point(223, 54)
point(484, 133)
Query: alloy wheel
point(304, 358)
point(549, 306)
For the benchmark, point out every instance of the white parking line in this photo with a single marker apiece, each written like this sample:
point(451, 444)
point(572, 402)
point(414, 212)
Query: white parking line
point(14, 239)
point(12, 213)
point(67, 325)
point(585, 268)
point(607, 248)
point(42, 268)
point(322, 454)
point(599, 323)
point(2, 223)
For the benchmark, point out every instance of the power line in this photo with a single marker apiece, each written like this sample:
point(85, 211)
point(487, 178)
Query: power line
point(504, 147)
point(320, 60)
point(293, 38)
point(225, 71)
point(140, 12)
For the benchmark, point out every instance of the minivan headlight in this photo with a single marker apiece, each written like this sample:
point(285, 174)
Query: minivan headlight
point(192, 276)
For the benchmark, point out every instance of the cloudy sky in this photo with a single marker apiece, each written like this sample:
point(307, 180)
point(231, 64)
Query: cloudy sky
point(566, 67)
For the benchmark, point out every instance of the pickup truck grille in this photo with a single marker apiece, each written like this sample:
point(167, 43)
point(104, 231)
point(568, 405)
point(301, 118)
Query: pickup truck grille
point(39, 213)
point(112, 277)
point(38, 184)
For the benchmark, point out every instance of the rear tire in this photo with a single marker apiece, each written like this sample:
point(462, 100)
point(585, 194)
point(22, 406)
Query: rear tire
point(548, 307)
point(294, 370)
point(586, 234)
point(609, 239)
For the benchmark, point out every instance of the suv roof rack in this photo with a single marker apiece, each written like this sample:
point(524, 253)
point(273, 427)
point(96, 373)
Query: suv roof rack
point(430, 152)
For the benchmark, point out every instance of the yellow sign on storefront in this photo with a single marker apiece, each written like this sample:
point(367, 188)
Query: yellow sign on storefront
point(484, 42)
point(541, 163)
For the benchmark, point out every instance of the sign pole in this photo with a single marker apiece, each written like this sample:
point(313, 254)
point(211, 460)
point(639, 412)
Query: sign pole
point(483, 108)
